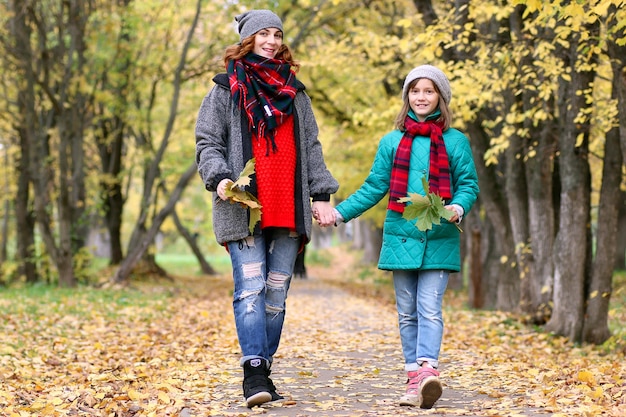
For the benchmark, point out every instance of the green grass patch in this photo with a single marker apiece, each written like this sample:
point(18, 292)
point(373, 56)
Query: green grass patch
point(42, 300)
point(187, 264)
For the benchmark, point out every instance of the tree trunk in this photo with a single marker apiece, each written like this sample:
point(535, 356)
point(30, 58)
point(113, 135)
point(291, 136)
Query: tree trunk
point(373, 242)
point(141, 237)
point(64, 262)
point(617, 54)
point(572, 241)
point(501, 277)
point(25, 218)
point(4, 229)
point(541, 225)
point(70, 109)
point(78, 193)
point(136, 252)
point(477, 299)
point(110, 138)
point(110, 142)
point(595, 329)
point(30, 162)
point(191, 241)
point(620, 244)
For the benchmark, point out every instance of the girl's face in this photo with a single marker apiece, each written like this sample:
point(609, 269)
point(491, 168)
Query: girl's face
point(423, 98)
point(267, 42)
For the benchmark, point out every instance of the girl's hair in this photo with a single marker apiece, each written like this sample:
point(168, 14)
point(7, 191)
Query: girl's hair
point(444, 109)
point(246, 46)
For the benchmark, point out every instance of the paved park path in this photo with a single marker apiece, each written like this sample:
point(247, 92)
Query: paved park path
point(340, 356)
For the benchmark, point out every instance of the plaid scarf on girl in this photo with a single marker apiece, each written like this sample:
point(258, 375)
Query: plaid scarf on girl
point(264, 88)
point(439, 169)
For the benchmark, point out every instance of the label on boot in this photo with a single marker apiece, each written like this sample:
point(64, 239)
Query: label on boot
point(255, 363)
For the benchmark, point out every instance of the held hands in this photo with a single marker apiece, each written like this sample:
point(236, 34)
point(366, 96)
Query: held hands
point(323, 213)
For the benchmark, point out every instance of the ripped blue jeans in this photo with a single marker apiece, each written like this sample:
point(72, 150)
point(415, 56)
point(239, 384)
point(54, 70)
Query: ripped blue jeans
point(419, 297)
point(262, 270)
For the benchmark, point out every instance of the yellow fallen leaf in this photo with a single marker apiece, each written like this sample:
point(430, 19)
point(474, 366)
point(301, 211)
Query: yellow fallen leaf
point(135, 395)
point(597, 393)
point(164, 397)
point(587, 377)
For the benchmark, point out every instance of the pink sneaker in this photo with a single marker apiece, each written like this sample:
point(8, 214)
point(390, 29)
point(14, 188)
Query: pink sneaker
point(412, 396)
point(424, 388)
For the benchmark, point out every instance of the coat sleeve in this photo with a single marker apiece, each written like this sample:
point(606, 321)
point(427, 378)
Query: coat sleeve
point(212, 131)
point(375, 186)
point(464, 177)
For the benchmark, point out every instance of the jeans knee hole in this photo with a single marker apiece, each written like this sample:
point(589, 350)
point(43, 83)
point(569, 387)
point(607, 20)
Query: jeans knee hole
point(276, 280)
point(251, 270)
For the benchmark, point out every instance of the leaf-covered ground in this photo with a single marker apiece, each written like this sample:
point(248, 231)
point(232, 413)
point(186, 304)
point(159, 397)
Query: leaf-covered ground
point(170, 349)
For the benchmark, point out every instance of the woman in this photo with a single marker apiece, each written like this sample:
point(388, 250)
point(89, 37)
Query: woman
point(422, 145)
point(258, 109)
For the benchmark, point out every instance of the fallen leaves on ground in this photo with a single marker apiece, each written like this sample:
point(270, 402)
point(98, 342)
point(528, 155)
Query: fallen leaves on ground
point(156, 351)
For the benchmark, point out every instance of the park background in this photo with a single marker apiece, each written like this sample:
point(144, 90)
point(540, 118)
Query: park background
point(98, 105)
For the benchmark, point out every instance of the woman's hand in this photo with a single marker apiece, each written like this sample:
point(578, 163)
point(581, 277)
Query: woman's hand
point(221, 188)
point(323, 213)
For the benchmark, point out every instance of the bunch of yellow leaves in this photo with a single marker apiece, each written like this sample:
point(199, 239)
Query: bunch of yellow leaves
point(237, 195)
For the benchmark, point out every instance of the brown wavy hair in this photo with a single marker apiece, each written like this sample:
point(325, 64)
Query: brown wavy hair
point(445, 116)
point(239, 50)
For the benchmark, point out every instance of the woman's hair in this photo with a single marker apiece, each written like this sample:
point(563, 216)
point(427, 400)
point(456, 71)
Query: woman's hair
point(246, 46)
point(444, 109)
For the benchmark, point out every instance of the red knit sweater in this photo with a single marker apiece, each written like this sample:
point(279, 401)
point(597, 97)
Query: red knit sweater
point(275, 176)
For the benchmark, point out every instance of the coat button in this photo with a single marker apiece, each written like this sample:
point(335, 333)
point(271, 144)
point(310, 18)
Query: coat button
point(403, 240)
point(422, 240)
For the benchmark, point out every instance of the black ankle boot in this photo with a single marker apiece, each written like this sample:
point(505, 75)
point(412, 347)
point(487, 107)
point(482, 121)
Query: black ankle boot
point(275, 396)
point(255, 387)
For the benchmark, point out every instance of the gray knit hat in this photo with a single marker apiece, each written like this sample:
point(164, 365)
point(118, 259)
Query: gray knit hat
point(254, 20)
point(432, 73)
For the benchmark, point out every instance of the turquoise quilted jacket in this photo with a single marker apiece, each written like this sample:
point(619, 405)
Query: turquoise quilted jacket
point(404, 245)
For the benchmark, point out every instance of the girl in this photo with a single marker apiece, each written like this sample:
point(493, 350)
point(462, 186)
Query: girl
point(422, 145)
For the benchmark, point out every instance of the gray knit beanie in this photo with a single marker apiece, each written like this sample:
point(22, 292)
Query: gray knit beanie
point(432, 73)
point(254, 20)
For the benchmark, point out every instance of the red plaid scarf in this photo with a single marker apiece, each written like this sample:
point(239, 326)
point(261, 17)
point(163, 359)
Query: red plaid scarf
point(264, 88)
point(439, 169)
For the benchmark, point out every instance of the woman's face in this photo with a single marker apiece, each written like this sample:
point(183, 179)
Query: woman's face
point(423, 98)
point(267, 42)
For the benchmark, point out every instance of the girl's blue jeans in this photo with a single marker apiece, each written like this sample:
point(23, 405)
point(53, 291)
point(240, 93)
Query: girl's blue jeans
point(262, 269)
point(419, 296)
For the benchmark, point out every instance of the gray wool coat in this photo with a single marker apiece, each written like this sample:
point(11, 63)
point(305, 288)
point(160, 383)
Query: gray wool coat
point(223, 147)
